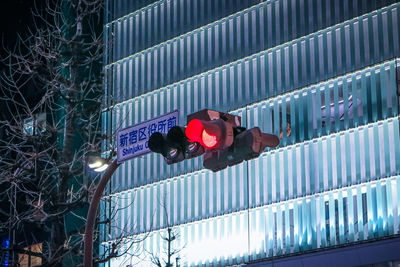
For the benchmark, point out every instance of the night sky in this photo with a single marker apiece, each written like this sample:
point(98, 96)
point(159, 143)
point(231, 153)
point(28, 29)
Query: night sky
point(15, 16)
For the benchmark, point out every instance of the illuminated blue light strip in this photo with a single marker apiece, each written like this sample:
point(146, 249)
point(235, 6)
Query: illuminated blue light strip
point(5, 255)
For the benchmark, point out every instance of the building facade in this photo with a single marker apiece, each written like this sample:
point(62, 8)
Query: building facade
point(322, 75)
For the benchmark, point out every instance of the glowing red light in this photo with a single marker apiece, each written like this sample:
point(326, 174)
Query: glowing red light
point(208, 140)
point(194, 130)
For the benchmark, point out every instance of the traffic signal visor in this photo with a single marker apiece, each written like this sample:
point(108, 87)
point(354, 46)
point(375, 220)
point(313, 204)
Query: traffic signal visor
point(159, 143)
point(178, 139)
point(209, 140)
point(215, 134)
point(174, 146)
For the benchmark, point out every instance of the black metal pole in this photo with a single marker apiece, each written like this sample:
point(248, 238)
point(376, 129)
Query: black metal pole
point(91, 217)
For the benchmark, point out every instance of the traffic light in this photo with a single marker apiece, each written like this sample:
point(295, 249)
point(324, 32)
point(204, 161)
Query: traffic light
point(225, 141)
point(174, 146)
point(217, 135)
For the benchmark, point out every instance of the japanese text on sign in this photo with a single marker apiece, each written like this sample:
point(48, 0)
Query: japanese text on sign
point(133, 141)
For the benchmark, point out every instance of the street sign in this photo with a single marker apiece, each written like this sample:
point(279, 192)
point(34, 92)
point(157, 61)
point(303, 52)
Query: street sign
point(133, 141)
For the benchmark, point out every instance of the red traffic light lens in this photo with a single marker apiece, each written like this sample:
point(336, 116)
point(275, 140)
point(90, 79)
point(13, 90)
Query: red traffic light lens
point(194, 130)
point(208, 140)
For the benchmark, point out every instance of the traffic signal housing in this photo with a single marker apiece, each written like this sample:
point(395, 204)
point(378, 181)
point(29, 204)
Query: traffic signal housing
point(226, 143)
point(217, 135)
point(174, 146)
point(248, 144)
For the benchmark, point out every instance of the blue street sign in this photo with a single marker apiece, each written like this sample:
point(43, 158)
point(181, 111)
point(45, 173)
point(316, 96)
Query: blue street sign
point(133, 141)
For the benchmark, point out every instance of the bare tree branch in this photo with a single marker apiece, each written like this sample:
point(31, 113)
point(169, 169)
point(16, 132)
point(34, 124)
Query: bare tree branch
point(51, 102)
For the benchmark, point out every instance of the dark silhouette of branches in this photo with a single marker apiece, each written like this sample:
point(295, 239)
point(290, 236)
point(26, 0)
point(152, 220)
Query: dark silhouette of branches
point(170, 254)
point(51, 101)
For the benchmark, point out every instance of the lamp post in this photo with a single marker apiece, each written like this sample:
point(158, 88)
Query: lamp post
point(91, 217)
point(97, 163)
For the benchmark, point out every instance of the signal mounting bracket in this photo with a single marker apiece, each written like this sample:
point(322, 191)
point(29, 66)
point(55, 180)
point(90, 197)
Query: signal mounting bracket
point(209, 115)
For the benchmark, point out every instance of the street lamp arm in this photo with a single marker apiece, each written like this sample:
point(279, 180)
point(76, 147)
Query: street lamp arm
point(91, 217)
